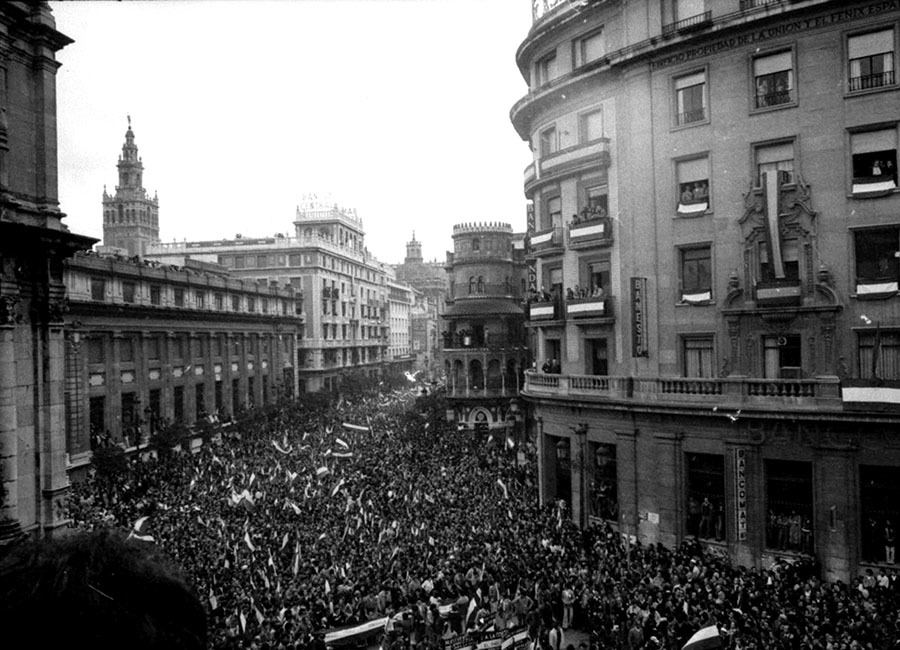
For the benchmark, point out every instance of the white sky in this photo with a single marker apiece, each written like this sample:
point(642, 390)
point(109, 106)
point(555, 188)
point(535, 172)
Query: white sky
point(398, 108)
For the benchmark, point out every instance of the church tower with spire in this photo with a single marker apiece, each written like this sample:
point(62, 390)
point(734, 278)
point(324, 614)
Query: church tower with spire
point(130, 217)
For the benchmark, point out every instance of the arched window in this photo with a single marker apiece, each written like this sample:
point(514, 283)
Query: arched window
point(121, 214)
point(471, 284)
point(476, 244)
point(480, 284)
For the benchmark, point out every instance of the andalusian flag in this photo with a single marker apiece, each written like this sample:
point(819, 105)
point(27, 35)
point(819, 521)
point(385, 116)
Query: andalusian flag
point(704, 639)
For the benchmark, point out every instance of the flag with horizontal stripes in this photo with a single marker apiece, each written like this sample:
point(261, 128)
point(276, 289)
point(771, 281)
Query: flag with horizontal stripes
point(706, 638)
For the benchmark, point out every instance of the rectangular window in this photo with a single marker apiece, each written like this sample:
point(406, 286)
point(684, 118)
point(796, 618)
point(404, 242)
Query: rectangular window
point(706, 496)
point(197, 346)
point(597, 284)
point(261, 261)
point(790, 262)
point(782, 357)
point(604, 497)
point(877, 263)
point(597, 352)
point(774, 79)
point(874, 161)
point(128, 291)
point(696, 274)
point(238, 261)
point(251, 305)
point(199, 401)
point(879, 355)
point(235, 303)
point(545, 70)
point(95, 351)
point(178, 403)
point(589, 48)
point(690, 98)
point(98, 289)
point(97, 416)
point(126, 349)
point(871, 60)
point(549, 142)
point(552, 213)
point(693, 186)
point(295, 259)
point(219, 301)
point(591, 126)
point(155, 294)
point(153, 348)
point(775, 158)
point(179, 297)
point(789, 504)
point(199, 299)
point(218, 396)
point(556, 282)
point(217, 345)
point(698, 356)
point(597, 200)
point(879, 506)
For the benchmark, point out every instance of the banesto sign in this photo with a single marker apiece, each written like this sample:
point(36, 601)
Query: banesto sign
point(639, 317)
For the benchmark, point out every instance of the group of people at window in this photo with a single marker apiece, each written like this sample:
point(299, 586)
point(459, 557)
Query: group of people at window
point(880, 541)
point(696, 192)
point(706, 518)
point(789, 531)
point(572, 293)
point(590, 213)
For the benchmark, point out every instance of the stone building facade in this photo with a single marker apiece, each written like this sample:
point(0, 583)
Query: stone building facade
point(715, 229)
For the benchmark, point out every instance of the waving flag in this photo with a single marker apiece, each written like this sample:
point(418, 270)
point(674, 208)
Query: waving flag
point(704, 639)
point(136, 531)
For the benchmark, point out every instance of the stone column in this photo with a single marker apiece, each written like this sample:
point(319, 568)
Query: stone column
point(53, 470)
point(9, 446)
point(668, 494)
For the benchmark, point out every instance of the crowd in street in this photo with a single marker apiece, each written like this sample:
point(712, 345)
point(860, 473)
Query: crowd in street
point(294, 523)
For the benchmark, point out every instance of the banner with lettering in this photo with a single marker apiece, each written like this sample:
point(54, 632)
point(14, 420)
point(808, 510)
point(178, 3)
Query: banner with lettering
point(639, 347)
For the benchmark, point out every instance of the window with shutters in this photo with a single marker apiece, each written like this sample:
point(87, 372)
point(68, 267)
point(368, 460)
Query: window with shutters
point(693, 186)
point(871, 60)
point(874, 161)
point(690, 99)
point(773, 80)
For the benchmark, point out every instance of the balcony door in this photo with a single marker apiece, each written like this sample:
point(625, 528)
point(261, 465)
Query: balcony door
point(597, 357)
point(782, 358)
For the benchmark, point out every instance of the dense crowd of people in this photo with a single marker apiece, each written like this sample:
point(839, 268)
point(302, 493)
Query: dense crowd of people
point(293, 524)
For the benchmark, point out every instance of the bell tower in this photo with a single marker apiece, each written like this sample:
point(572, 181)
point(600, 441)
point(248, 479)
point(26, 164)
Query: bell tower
point(130, 217)
point(413, 251)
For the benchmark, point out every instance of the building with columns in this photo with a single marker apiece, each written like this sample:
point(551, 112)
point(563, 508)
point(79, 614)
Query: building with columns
point(149, 344)
point(130, 216)
point(715, 235)
point(34, 245)
point(484, 345)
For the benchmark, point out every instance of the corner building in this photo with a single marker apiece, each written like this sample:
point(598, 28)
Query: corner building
point(715, 236)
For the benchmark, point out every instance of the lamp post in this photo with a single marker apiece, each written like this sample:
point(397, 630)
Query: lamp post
point(580, 430)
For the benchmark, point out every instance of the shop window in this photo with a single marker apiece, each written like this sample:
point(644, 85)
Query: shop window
point(603, 486)
point(879, 506)
point(706, 496)
point(789, 506)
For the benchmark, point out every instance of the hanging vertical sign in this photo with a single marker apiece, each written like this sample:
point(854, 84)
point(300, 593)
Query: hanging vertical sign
point(639, 318)
point(740, 493)
point(530, 224)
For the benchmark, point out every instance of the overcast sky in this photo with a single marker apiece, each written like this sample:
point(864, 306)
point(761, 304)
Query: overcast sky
point(397, 108)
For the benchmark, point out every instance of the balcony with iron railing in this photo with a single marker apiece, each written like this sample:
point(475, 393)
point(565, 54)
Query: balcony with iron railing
point(728, 392)
point(786, 292)
point(755, 4)
point(485, 290)
point(547, 242)
point(687, 24)
point(594, 231)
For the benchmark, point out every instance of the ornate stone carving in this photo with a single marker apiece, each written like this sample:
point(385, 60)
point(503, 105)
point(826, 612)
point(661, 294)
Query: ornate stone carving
point(57, 309)
point(9, 310)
